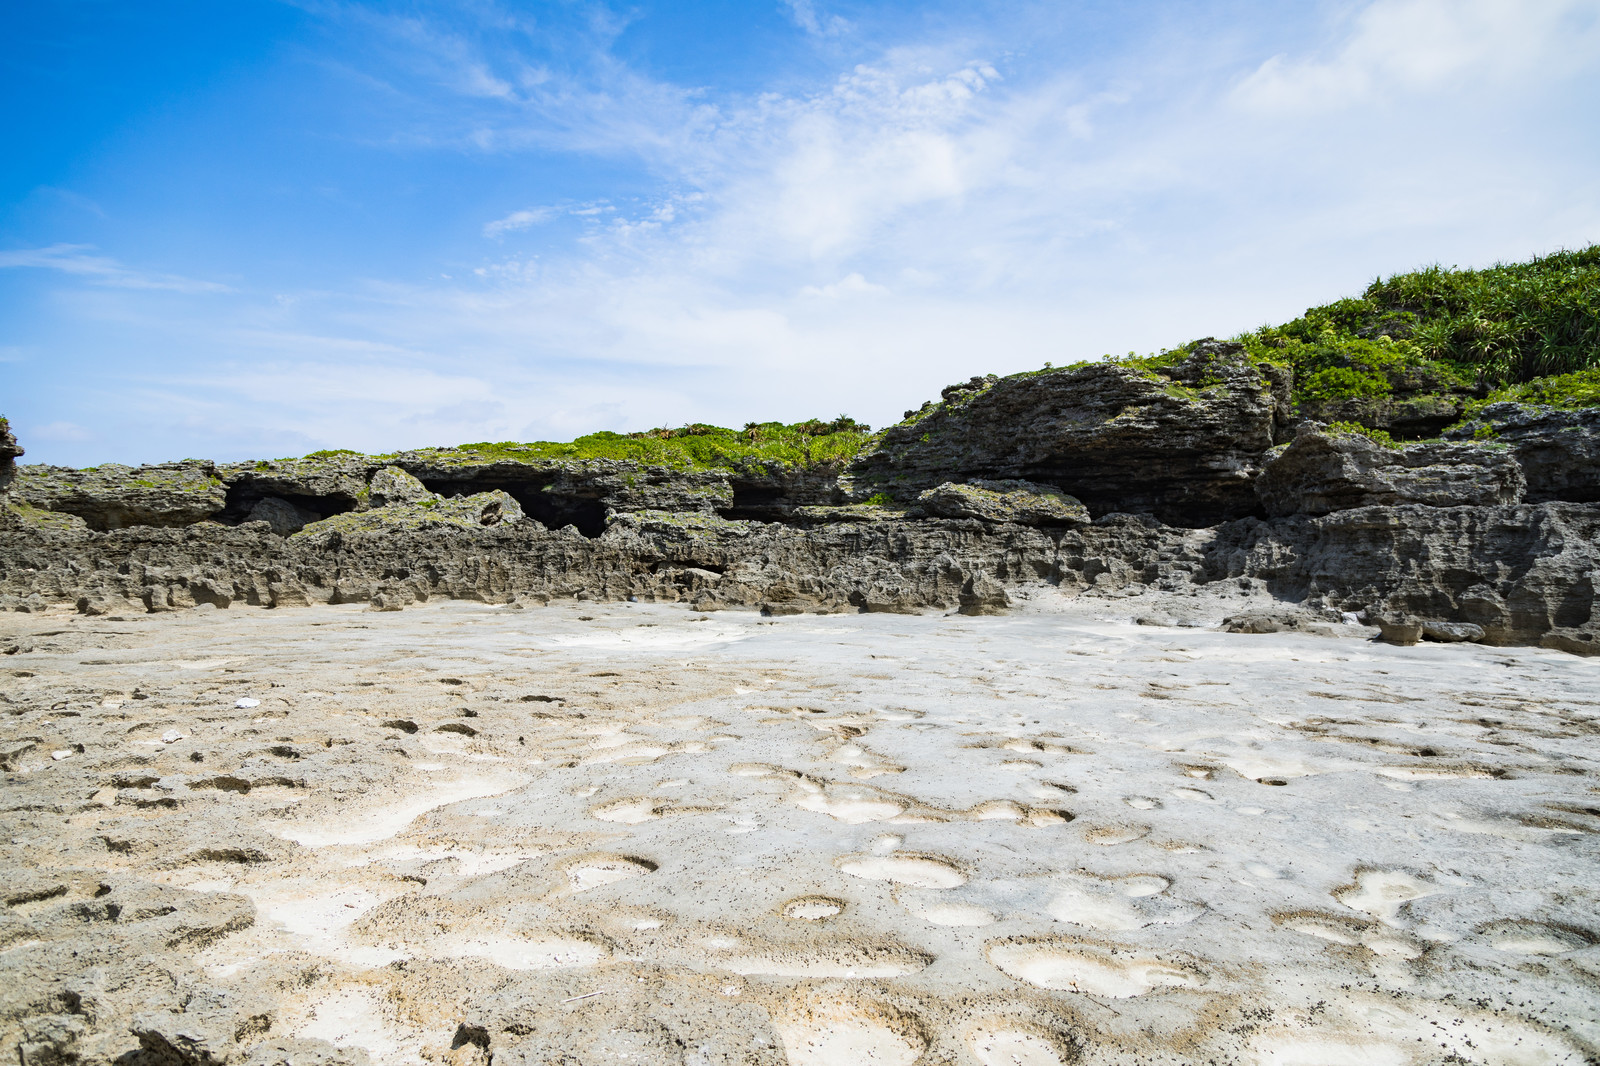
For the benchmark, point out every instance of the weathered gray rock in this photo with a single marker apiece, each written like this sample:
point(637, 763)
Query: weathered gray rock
point(1518, 572)
point(982, 594)
point(1401, 630)
point(116, 497)
point(480, 509)
point(1183, 443)
point(1321, 472)
point(1559, 451)
point(10, 450)
point(394, 485)
point(1452, 632)
point(303, 1051)
point(1022, 502)
point(282, 516)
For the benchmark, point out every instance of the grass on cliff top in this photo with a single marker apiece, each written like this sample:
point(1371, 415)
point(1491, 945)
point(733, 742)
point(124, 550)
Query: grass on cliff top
point(1439, 329)
point(696, 446)
point(1528, 332)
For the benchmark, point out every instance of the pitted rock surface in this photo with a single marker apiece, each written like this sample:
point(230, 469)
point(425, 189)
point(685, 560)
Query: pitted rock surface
point(1321, 472)
point(1183, 444)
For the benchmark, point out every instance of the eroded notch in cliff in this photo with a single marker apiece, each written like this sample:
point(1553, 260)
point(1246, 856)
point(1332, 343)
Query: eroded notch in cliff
point(286, 512)
point(553, 509)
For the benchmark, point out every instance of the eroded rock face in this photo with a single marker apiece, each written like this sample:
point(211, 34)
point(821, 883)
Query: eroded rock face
point(116, 497)
point(1319, 473)
point(1559, 451)
point(1022, 502)
point(1518, 572)
point(9, 451)
point(1183, 445)
point(282, 516)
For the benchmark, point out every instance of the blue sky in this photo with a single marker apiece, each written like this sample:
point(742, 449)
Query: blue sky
point(260, 228)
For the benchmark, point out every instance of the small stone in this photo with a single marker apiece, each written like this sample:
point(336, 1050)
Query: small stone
point(246, 702)
point(1402, 631)
point(62, 754)
point(172, 736)
point(1452, 632)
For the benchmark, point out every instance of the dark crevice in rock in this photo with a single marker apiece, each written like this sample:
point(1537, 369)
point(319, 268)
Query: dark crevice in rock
point(245, 497)
point(554, 510)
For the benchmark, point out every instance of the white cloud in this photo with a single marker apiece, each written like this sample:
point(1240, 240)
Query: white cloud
point(1405, 46)
point(518, 220)
point(1046, 215)
point(805, 15)
point(74, 259)
point(58, 431)
point(846, 287)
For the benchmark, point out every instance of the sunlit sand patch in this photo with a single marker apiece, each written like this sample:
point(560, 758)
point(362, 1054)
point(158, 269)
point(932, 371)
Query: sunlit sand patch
point(1381, 893)
point(1378, 939)
point(1356, 1030)
point(846, 1033)
point(1005, 1043)
point(1437, 772)
point(597, 871)
point(863, 762)
point(1109, 836)
point(812, 908)
point(933, 908)
point(851, 804)
point(1110, 906)
point(628, 812)
point(530, 953)
point(1068, 966)
point(1262, 766)
point(916, 871)
point(1533, 938)
point(856, 962)
point(372, 823)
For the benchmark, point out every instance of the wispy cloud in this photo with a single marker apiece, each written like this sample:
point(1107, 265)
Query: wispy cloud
point(1396, 47)
point(518, 220)
point(75, 259)
point(935, 209)
point(817, 24)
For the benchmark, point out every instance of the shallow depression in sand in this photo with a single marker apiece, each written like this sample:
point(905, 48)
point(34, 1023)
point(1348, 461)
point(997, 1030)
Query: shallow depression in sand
point(1097, 971)
point(915, 870)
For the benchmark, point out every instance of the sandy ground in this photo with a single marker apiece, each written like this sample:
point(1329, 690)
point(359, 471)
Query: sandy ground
point(631, 833)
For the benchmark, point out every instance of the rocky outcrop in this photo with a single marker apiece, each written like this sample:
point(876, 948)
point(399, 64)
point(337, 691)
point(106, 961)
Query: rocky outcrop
point(1322, 472)
point(1518, 572)
point(1109, 479)
point(10, 450)
point(1559, 451)
point(116, 497)
point(1022, 502)
point(1183, 443)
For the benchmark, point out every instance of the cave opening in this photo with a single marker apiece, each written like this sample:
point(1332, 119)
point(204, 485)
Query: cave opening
point(554, 510)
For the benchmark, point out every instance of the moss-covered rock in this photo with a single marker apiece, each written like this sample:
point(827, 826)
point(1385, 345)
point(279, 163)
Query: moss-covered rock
point(433, 512)
point(1181, 441)
point(1022, 502)
point(114, 496)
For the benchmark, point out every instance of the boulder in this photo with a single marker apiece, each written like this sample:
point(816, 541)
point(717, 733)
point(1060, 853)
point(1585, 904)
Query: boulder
point(1402, 631)
point(284, 517)
point(1452, 632)
point(1183, 442)
point(982, 594)
point(469, 512)
point(1022, 502)
point(393, 485)
point(1559, 451)
point(114, 496)
point(1321, 472)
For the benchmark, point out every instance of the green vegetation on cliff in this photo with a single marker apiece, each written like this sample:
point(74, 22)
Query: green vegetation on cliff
point(1440, 330)
point(697, 446)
